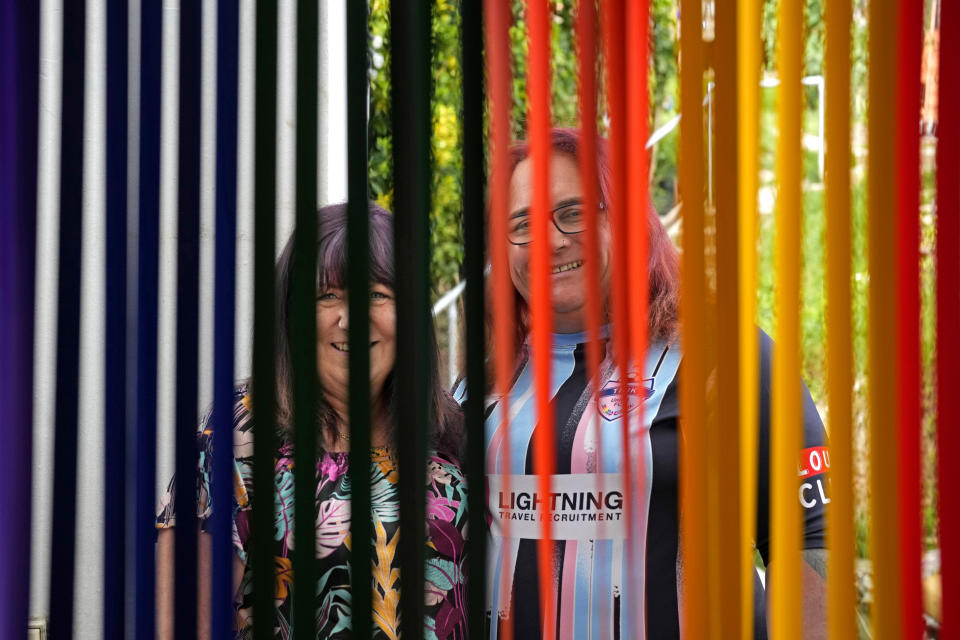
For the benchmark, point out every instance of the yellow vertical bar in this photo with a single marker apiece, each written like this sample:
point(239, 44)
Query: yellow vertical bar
point(785, 442)
point(727, 451)
point(840, 577)
point(748, 117)
point(881, 328)
point(693, 458)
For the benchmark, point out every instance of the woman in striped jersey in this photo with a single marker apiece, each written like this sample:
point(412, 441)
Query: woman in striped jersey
point(603, 587)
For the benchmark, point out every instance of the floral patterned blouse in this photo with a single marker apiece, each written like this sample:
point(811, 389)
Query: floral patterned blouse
point(445, 531)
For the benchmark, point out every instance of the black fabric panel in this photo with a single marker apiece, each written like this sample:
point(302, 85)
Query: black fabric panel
point(663, 618)
point(814, 525)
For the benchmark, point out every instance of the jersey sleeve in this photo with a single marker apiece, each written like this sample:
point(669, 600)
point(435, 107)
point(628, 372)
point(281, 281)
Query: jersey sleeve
point(813, 462)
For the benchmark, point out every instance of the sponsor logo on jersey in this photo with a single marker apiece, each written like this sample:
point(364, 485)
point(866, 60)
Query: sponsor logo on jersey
point(579, 506)
point(814, 462)
point(611, 404)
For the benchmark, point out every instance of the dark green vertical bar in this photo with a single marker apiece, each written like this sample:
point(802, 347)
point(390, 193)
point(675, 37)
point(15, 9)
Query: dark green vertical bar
point(410, 80)
point(474, 259)
point(303, 326)
point(358, 250)
point(264, 378)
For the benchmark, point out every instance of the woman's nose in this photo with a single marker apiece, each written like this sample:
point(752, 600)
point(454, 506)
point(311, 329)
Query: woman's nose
point(558, 239)
point(344, 321)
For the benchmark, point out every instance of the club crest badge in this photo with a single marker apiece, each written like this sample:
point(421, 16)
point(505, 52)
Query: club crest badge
point(611, 406)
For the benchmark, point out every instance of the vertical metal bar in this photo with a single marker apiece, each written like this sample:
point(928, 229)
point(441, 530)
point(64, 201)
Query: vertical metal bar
point(148, 250)
point(693, 455)
point(727, 535)
point(785, 437)
point(840, 526)
point(358, 256)
point(541, 312)
point(586, 30)
point(637, 114)
point(303, 325)
point(188, 301)
point(474, 258)
point(748, 80)
point(882, 395)
point(68, 321)
point(410, 77)
point(907, 193)
point(115, 347)
point(264, 391)
point(497, 19)
point(228, 48)
point(19, 75)
point(948, 313)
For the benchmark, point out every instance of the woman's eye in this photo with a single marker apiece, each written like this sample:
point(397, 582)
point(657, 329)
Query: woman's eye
point(520, 224)
point(326, 296)
point(379, 296)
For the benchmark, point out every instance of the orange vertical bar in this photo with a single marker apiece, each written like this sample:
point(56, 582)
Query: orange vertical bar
point(785, 441)
point(841, 590)
point(881, 225)
point(693, 459)
point(910, 45)
point(727, 451)
point(496, 26)
point(544, 457)
point(637, 39)
point(748, 119)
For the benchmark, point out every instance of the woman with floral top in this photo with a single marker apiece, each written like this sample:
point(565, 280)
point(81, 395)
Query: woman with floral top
point(445, 490)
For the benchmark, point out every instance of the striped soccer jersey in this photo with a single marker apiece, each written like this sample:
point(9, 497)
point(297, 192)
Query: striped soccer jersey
point(599, 573)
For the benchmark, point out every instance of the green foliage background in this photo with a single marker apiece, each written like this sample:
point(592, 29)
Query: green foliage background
point(447, 164)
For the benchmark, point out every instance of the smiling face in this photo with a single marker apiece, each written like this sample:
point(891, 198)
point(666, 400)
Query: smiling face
point(567, 251)
point(333, 354)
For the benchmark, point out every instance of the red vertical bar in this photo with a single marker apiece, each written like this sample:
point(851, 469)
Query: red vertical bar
point(496, 24)
point(909, 34)
point(636, 40)
point(948, 313)
point(614, 35)
point(589, 182)
point(544, 458)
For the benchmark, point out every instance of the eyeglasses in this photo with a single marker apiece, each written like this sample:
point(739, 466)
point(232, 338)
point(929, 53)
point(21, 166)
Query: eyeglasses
point(568, 218)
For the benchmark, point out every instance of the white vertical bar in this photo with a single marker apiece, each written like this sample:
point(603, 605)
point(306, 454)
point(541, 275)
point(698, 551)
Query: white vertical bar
point(45, 322)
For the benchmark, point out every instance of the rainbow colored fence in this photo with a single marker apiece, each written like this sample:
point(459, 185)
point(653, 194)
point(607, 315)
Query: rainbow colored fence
point(719, 401)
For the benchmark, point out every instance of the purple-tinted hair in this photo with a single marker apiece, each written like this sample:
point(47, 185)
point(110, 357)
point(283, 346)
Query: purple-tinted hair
point(332, 246)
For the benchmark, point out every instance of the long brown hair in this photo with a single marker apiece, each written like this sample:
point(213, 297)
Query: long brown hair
point(663, 264)
point(447, 423)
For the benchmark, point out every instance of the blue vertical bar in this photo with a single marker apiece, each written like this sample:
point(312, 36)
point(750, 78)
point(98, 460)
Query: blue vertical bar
point(188, 263)
point(19, 73)
point(148, 247)
point(68, 323)
point(474, 259)
point(411, 90)
point(228, 21)
point(115, 343)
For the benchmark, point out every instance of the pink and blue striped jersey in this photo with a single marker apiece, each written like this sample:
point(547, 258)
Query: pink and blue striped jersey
point(611, 579)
